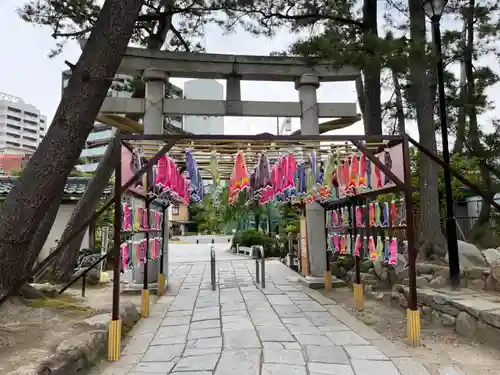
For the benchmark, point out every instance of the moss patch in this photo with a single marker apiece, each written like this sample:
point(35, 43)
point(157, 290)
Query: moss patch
point(63, 302)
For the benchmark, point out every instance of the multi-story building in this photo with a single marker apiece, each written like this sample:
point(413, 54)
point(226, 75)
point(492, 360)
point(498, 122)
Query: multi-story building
point(101, 135)
point(22, 126)
point(206, 89)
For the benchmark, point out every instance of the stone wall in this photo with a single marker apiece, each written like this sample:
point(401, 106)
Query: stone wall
point(471, 314)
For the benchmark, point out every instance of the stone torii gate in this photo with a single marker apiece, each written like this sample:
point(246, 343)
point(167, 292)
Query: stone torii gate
point(156, 67)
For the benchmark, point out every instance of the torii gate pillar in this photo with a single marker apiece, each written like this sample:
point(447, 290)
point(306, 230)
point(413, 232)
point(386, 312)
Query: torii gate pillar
point(307, 85)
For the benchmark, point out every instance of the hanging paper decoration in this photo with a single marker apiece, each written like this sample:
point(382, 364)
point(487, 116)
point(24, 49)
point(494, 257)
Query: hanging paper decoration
point(196, 188)
point(214, 171)
point(239, 177)
point(393, 251)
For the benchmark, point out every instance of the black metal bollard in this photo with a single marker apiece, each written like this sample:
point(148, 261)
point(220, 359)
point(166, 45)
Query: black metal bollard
point(263, 267)
point(212, 267)
point(197, 241)
point(213, 241)
point(257, 268)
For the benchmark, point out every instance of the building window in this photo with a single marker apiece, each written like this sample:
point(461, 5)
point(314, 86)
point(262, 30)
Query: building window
point(12, 144)
point(29, 130)
point(30, 114)
point(13, 118)
point(13, 135)
point(30, 122)
point(12, 109)
point(30, 147)
point(14, 127)
point(29, 138)
point(175, 210)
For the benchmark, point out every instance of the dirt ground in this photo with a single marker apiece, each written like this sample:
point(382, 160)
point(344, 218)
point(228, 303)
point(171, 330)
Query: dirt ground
point(441, 347)
point(31, 330)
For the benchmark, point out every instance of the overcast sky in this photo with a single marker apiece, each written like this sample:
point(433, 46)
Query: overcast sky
point(27, 72)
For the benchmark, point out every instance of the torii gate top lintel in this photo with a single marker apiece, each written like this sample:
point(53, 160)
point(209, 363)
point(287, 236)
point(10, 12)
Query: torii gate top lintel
point(220, 66)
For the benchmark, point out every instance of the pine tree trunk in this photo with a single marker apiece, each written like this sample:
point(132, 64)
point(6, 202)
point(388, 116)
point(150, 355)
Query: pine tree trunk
point(400, 114)
point(44, 177)
point(431, 235)
point(372, 111)
point(64, 263)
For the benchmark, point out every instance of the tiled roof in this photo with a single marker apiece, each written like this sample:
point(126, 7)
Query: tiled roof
point(74, 189)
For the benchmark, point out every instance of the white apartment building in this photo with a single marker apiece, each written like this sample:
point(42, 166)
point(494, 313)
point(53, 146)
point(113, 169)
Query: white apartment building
point(206, 89)
point(22, 126)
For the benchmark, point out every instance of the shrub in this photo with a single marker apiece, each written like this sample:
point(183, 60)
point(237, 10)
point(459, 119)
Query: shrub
point(253, 237)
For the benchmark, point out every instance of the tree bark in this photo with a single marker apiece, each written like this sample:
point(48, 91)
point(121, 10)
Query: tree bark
point(360, 91)
point(482, 224)
point(372, 111)
point(64, 264)
point(431, 236)
point(45, 175)
point(458, 147)
point(400, 114)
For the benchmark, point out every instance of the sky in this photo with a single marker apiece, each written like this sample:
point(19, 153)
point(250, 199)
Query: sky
point(27, 72)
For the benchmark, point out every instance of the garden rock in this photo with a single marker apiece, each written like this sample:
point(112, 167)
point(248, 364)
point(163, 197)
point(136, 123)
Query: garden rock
point(378, 266)
point(466, 324)
point(438, 282)
point(469, 255)
point(47, 289)
point(492, 257)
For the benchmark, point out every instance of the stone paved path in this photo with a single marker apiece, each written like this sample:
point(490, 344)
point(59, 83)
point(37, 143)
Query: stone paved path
point(240, 329)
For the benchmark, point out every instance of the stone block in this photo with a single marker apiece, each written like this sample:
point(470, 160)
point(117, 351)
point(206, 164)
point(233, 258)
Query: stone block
point(466, 324)
point(491, 317)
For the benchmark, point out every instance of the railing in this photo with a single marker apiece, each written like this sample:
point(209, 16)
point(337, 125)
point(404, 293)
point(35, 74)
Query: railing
point(260, 270)
point(83, 275)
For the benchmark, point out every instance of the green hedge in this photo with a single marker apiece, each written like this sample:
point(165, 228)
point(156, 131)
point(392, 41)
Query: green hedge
point(253, 237)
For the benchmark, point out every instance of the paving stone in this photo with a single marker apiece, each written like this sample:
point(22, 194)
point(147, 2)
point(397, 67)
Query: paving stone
point(330, 369)
point(364, 352)
point(176, 321)
point(205, 313)
point(154, 367)
point(192, 373)
point(163, 353)
point(367, 367)
point(267, 334)
point(326, 354)
point(281, 345)
point(281, 369)
point(205, 362)
point(297, 322)
point(279, 300)
point(213, 342)
point(313, 340)
point(346, 338)
point(189, 351)
point(241, 325)
point(204, 324)
point(239, 362)
point(304, 330)
point(175, 331)
point(203, 333)
point(292, 357)
point(408, 366)
point(245, 339)
point(138, 344)
point(168, 340)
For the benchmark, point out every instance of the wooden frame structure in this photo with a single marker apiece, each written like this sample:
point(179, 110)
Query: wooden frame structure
point(153, 147)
